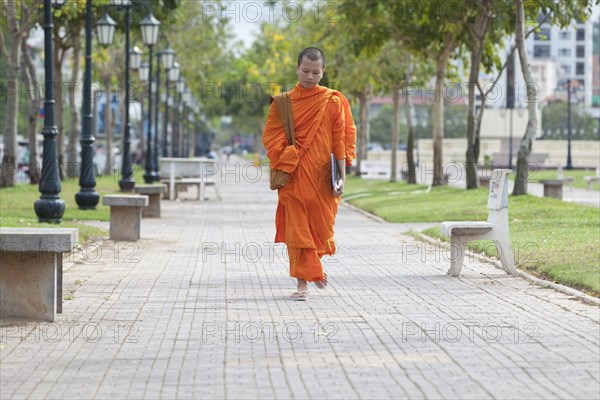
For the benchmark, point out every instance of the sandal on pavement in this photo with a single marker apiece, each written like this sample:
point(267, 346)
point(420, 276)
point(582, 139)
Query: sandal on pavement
point(299, 296)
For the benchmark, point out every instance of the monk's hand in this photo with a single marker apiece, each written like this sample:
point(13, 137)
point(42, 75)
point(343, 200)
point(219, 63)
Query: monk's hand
point(339, 188)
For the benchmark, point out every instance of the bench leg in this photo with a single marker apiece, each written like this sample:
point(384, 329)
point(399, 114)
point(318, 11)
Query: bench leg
point(125, 223)
point(28, 288)
point(457, 254)
point(506, 256)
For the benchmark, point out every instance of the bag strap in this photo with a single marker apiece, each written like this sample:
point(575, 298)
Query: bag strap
point(284, 107)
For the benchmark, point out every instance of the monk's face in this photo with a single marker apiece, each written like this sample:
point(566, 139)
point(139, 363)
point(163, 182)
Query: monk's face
point(310, 72)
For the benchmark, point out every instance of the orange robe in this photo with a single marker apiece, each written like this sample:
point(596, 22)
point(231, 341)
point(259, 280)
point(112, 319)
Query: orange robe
point(307, 208)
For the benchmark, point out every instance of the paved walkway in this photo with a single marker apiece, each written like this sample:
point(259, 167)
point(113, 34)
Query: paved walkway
point(198, 309)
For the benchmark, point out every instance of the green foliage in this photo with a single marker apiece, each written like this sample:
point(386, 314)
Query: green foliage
point(555, 122)
point(454, 116)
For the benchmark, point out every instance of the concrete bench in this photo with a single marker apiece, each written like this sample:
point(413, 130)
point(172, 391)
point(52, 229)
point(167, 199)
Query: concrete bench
point(495, 228)
point(567, 181)
point(185, 172)
point(154, 193)
point(185, 183)
point(484, 181)
point(590, 180)
point(553, 188)
point(31, 271)
point(125, 215)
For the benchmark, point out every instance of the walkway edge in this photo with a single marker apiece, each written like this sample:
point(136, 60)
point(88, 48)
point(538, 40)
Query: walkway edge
point(578, 295)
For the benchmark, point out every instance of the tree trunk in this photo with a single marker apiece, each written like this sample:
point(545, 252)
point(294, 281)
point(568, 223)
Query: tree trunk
point(108, 126)
point(59, 100)
point(13, 64)
point(34, 99)
point(478, 33)
point(410, 140)
point(364, 100)
point(438, 123)
point(73, 170)
point(396, 106)
point(532, 125)
point(438, 110)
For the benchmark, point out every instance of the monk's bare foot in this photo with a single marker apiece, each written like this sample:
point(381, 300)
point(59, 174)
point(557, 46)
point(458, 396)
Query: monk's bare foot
point(322, 283)
point(302, 286)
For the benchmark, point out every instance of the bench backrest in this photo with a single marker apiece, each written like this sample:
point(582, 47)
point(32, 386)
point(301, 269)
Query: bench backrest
point(498, 197)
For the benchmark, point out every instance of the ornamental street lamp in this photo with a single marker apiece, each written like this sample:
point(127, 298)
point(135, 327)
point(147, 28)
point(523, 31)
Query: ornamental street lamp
point(572, 87)
point(150, 26)
point(135, 58)
point(50, 207)
point(87, 198)
point(168, 59)
point(127, 183)
point(105, 30)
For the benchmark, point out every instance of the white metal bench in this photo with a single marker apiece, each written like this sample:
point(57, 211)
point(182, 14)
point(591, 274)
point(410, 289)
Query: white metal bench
point(495, 228)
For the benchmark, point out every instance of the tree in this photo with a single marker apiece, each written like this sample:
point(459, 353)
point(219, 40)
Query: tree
point(34, 100)
point(478, 27)
point(561, 13)
point(20, 21)
point(433, 31)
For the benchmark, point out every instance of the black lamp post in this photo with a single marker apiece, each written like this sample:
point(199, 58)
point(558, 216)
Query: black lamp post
point(569, 163)
point(172, 76)
point(143, 75)
point(180, 89)
point(50, 207)
point(168, 58)
point(150, 27)
point(126, 183)
point(87, 198)
point(156, 175)
point(187, 97)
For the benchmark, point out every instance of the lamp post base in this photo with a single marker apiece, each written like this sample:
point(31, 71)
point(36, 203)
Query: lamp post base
point(49, 210)
point(127, 185)
point(150, 177)
point(87, 199)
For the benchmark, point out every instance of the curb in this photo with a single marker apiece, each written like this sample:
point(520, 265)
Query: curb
point(578, 295)
point(363, 212)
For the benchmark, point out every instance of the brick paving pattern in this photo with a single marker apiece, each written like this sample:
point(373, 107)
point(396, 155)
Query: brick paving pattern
point(198, 309)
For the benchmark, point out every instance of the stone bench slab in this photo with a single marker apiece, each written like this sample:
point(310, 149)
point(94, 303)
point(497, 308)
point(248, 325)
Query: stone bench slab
point(150, 189)
point(125, 200)
point(465, 227)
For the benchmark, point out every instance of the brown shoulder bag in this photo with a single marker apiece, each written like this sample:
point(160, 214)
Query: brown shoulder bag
point(280, 178)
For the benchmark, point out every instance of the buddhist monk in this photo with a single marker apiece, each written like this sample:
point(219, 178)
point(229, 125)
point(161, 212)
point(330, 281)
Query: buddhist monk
point(308, 204)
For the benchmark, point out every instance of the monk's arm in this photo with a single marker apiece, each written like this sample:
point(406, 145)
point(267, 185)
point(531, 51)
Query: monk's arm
point(338, 128)
point(282, 156)
point(350, 132)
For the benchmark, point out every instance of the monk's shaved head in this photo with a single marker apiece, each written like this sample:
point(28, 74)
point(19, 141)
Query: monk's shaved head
point(313, 54)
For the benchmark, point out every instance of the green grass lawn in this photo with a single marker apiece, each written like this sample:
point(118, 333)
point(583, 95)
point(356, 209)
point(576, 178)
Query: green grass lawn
point(16, 207)
point(551, 238)
point(578, 181)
